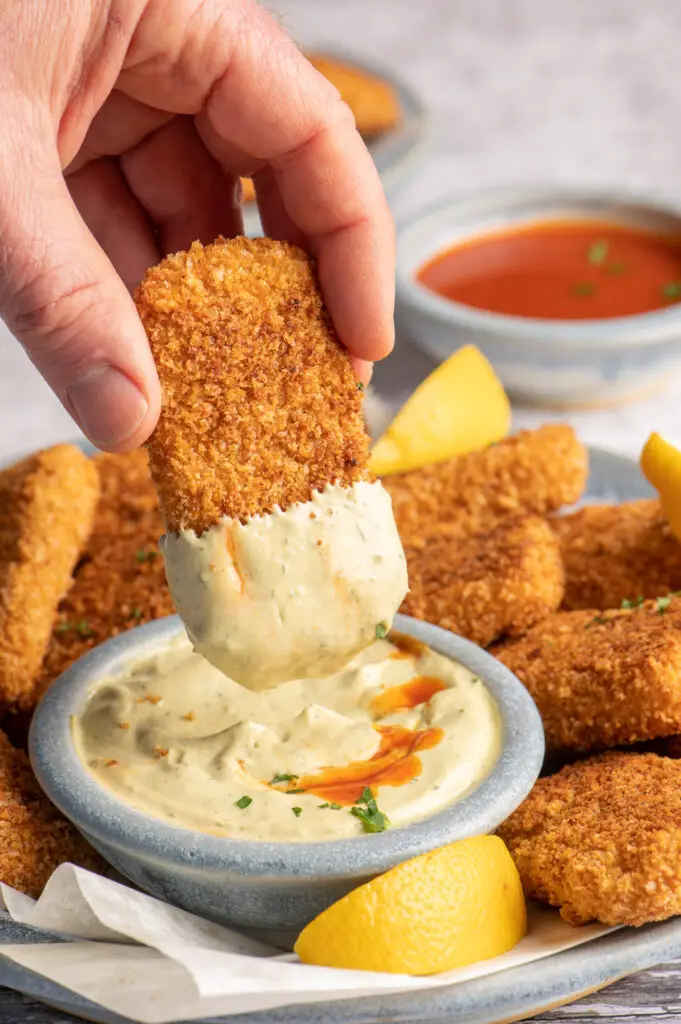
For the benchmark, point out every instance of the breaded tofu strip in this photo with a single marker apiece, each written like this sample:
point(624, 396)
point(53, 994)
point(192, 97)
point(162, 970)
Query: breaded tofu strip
point(34, 837)
point(121, 582)
point(614, 553)
point(602, 840)
point(485, 585)
point(603, 679)
point(47, 504)
point(261, 406)
point(533, 471)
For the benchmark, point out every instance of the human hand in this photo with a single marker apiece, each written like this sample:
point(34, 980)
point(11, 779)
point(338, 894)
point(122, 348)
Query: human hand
point(126, 126)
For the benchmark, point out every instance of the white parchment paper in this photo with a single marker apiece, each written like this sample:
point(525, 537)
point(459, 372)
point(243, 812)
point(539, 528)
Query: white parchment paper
point(154, 963)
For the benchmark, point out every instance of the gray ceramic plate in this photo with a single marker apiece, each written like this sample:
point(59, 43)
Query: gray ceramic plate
point(395, 151)
point(510, 995)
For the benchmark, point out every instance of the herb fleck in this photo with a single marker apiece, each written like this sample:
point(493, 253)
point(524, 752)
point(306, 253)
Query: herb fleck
point(63, 627)
point(381, 631)
point(136, 613)
point(671, 290)
point(598, 620)
point(616, 268)
point(626, 603)
point(371, 818)
point(598, 252)
point(332, 807)
point(84, 629)
point(292, 792)
point(145, 556)
point(360, 386)
point(244, 802)
point(282, 777)
point(584, 288)
point(662, 604)
point(297, 811)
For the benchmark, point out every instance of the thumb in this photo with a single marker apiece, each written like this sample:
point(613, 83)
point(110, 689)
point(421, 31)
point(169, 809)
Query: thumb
point(63, 300)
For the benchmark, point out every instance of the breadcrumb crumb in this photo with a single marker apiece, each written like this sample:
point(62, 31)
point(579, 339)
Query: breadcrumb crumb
point(602, 840)
point(47, 505)
point(261, 406)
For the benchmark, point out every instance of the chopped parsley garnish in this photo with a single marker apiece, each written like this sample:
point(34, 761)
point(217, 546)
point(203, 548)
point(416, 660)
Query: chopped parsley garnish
point(84, 629)
point(145, 556)
point(662, 604)
point(598, 620)
point(292, 792)
point(371, 818)
point(332, 807)
point(626, 603)
point(244, 802)
point(297, 811)
point(63, 627)
point(671, 290)
point(282, 777)
point(381, 631)
point(360, 386)
point(136, 613)
point(583, 288)
point(598, 252)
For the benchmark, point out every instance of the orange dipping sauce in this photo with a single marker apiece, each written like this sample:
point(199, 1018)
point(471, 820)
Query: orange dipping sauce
point(561, 270)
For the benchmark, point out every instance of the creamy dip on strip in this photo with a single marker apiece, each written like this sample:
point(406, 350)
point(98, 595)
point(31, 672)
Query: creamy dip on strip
point(177, 739)
point(291, 594)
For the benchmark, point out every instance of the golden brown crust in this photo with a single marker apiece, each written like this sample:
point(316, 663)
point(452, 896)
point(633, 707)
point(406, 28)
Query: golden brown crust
point(617, 552)
point(121, 582)
point(602, 840)
point(603, 679)
point(34, 837)
point(261, 406)
point(371, 99)
point(533, 471)
point(484, 585)
point(47, 504)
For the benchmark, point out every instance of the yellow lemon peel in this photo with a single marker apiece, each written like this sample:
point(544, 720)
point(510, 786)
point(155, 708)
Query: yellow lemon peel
point(444, 909)
point(459, 408)
point(661, 466)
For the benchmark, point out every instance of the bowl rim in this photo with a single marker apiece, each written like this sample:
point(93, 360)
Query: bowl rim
point(104, 817)
point(634, 330)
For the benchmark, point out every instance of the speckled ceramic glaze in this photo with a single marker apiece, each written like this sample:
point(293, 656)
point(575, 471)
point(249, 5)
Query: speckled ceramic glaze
point(265, 885)
point(549, 362)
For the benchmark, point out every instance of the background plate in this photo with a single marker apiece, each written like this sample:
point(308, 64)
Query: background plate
point(510, 995)
point(393, 152)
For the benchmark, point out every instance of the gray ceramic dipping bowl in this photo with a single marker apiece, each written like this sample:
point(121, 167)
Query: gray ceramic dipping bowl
point(277, 887)
point(554, 363)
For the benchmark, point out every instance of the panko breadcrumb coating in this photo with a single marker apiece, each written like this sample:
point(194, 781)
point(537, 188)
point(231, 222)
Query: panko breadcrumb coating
point(614, 553)
point(121, 582)
point(47, 504)
point(485, 585)
point(261, 406)
point(602, 840)
point(603, 679)
point(34, 837)
point(533, 471)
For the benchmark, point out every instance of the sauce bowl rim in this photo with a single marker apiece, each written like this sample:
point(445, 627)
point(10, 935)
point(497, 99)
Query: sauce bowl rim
point(607, 332)
point(104, 817)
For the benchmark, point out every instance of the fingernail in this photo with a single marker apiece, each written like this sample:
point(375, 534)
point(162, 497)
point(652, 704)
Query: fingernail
point(107, 404)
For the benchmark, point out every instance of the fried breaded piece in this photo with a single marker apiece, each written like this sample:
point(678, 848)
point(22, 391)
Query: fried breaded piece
point(484, 585)
point(617, 552)
point(34, 837)
point(602, 840)
point(121, 582)
point(47, 504)
point(261, 406)
point(603, 679)
point(533, 471)
point(371, 99)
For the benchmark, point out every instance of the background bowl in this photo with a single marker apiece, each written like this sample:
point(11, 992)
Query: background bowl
point(265, 885)
point(547, 362)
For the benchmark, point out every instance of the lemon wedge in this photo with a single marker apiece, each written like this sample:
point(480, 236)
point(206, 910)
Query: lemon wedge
point(661, 465)
point(460, 407)
point(445, 909)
